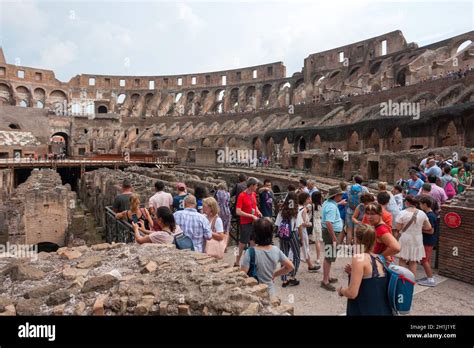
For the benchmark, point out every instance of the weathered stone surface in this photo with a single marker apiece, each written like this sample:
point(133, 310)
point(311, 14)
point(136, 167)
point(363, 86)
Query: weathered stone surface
point(28, 307)
point(70, 254)
point(98, 308)
point(58, 297)
point(41, 291)
point(252, 309)
point(8, 311)
point(150, 267)
point(92, 261)
point(72, 273)
point(99, 283)
point(20, 271)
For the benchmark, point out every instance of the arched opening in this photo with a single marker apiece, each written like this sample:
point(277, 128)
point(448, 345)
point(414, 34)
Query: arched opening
point(232, 142)
point(463, 45)
point(250, 97)
point(373, 141)
point(448, 135)
point(121, 98)
point(353, 142)
point(58, 100)
point(39, 104)
point(58, 144)
point(375, 67)
point(395, 141)
point(302, 144)
point(220, 142)
point(206, 142)
point(317, 142)
point(257, 145)
point(23, 94)
point(234, 99)
point(270, 147)
point(23, 103)
point(102, 109)
point(276, 189)
point(47, 247)
point(334, 74)
point(219, 101)
point(353, 71)
point(180, 143)
point(5, 94)
point(167, 144)
point(266, 90)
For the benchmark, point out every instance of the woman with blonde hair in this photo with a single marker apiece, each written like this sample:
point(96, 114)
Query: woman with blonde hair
point(135, 213)
point(368, 280)
point(216, 246)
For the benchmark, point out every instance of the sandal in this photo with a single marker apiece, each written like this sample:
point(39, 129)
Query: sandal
point(285, 284)
point(333, 280)
point(315, 268)
point(328, 286)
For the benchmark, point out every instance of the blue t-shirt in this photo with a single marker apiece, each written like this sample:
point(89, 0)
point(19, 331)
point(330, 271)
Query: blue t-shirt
point(330, 213)
point(414, 186)
point(430, 239)
point(435, 170)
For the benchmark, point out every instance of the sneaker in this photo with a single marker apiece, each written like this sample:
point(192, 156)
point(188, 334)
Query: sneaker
point(293, 282)
point(315, 268)
point(328, 286)
point(421, 279)
point(427, 282)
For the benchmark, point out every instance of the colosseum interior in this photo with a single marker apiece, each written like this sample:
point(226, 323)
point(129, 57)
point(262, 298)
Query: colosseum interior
point(324, 121)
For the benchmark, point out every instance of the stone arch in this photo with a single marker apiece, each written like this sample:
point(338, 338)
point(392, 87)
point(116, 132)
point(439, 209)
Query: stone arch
point(448, 134)
point(219, 96)
point(168, 144)
point(23, 96)
point(5, 94)
point(375, 67)
point(102, 109)
point(257, 145)
point(395, 143)
point(460, 46)
point(58, 101)
point(317, 142)
point(206, 142)
point(270, 147)
point(301, 144)
point(39, 95)
point(234, 99)
point(232, 142)
point(58, 146)
point(220, 142)
point(373, 140)
point(353, 143)
point(401, 77)
point(181, 143)
point(266, 92)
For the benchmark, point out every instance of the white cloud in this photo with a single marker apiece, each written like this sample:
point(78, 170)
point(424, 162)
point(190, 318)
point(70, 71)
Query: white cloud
point(59, 54)
point(187, 15)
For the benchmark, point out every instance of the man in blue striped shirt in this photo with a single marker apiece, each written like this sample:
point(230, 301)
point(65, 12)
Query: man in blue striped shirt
point(194, 225)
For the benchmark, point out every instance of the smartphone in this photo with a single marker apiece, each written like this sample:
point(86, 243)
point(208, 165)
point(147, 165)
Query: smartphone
point(135, 218)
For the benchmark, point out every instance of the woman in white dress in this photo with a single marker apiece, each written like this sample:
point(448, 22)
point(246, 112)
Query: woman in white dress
point(411, 222)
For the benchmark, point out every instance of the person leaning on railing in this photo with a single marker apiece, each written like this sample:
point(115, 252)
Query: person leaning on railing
point(166, 228)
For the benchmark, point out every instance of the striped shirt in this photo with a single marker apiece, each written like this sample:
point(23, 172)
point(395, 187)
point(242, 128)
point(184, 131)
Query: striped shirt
point(194, 225)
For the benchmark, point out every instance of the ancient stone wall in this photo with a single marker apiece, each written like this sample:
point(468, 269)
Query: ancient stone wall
point(39, 210)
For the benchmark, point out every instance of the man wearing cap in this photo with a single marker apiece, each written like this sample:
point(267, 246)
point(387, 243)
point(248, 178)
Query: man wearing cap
point(122, 201)
point(331, 227)
point(248, 211)
point(178, 200)
point(160, 198)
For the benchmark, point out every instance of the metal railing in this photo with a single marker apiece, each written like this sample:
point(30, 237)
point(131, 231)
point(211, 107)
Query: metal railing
point(118, 231)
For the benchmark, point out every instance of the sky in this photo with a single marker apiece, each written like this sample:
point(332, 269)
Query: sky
point(170, 38)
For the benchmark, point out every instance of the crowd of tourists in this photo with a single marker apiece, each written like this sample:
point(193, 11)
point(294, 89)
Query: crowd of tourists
point(398, 225)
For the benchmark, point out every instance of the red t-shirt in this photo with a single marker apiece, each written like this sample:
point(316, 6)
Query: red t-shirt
point(247, 202)
point(380, 230)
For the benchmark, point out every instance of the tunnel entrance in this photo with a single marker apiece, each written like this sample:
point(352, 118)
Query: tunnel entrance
point(20, 176)
point(47, 247)
point(373, 170)
point(70, 176)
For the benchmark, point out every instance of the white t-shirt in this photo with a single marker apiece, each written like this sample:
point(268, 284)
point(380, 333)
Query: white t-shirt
point(218, 226)
point(416, 227)
point(299, 217)
point(160, 199)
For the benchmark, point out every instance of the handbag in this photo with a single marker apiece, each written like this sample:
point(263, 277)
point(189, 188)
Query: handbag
point(183, 242)
point(216, 248)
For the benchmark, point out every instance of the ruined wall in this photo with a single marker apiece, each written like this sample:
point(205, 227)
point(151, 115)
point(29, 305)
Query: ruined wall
point(39, 210)
point(118, 279)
